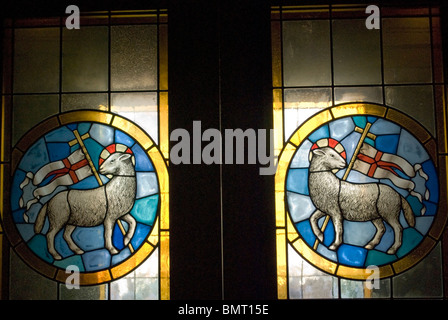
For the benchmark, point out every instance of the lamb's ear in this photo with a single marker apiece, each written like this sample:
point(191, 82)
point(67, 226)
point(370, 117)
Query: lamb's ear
point(318, 152)
point(124, 156)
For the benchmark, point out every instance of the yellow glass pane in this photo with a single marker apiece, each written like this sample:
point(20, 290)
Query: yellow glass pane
point(164, 125)
point(164, 265)
point(282, 283)
point(358, 108)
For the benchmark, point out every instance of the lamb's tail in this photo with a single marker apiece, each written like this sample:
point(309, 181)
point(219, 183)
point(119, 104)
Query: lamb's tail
point(408, 213)
point(40, 219)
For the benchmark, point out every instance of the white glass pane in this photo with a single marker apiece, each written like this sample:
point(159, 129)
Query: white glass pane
point(301, 104)
point(307, 282)
point(140, 108)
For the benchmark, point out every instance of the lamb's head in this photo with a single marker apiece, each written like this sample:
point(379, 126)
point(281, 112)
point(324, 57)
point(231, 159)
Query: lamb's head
point(117, 164)
point(326, 158)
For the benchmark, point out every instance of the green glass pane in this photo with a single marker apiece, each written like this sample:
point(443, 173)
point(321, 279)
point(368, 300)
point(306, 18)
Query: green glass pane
point(39, 106)
point(406, 50)
point(36, 60)
point(134, 57)
point(306, 53)
point(356, 53)
point(417, 101)
point(85, 59)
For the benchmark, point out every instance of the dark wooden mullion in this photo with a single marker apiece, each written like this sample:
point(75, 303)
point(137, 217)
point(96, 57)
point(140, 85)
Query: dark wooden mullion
point(195, 212)
point(248, 197)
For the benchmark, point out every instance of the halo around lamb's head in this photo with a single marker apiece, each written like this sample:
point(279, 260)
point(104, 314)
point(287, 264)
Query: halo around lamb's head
point(115, 147)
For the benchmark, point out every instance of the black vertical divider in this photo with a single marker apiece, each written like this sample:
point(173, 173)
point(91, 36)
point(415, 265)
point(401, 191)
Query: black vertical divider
point(195, 213)
point(248, 197)
point(222, 217)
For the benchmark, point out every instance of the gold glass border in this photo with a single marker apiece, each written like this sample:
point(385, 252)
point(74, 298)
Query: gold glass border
point(156, 236)
point(289, 235)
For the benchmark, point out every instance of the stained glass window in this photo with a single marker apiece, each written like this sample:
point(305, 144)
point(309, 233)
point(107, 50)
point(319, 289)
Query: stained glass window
point(360, 124)
point(84, 157)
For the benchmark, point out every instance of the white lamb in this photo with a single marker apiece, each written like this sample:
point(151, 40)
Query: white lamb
point(88, 208)
point(351, 201)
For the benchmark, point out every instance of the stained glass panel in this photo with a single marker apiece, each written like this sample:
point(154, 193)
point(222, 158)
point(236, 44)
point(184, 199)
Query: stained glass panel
point(374, 103)
point(93, 118)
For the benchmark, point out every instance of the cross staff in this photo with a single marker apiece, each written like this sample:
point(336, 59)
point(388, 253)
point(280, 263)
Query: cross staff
point(79, 140)
point(364, 133)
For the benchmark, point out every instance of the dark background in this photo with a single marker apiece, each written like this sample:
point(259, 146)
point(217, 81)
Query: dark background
point(222, 223)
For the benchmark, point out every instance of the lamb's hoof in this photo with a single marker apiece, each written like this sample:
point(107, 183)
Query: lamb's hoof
point(57, 257)
point(391, 251)
point(126, 241)
point(113, 251)
point(369, 246)
point(333, 247)
point(78, 251)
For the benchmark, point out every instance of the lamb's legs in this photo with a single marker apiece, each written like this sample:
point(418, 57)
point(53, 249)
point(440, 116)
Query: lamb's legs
point(337, 222)
point(380, 229)
point(313, 221)
point(108, 228)
point(68, 238)
point(132, 224)
point(50, 243)
point(398, 230)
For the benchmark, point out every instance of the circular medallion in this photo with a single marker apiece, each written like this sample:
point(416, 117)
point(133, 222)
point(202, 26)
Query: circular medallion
point(85, 193)
point(361, 189)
